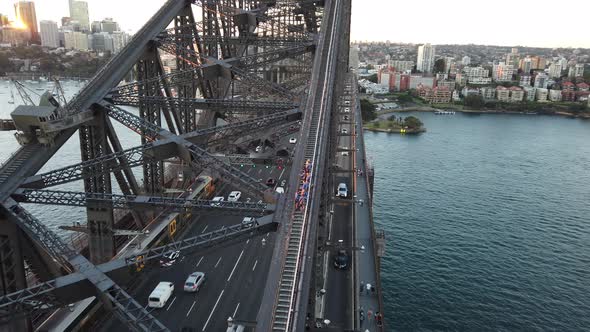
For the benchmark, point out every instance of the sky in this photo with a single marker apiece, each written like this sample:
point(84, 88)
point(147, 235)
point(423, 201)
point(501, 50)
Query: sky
point(501, 22)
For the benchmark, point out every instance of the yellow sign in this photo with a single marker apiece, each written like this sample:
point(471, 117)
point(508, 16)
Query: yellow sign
point(172, 227)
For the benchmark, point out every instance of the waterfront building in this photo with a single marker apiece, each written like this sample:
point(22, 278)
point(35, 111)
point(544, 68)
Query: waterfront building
point(542, 95)
point(25, 13)
point(416, 80)
point(450, 85)
point(516, 94)
point(49, 34)
point(487, 93)
point(456, 95)
point(583, 86)
point(385, 78)
point(568, 86)
point(425, 61)
point(502, 93)
point(469, 91)
point(437, 95)
point(479, 80)
point(529, 93)
point(554, 95)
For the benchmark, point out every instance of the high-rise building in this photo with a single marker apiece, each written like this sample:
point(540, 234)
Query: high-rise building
point(95, 27)
point(76, 40)
point(25, 13)
point(3, 20)
point(541, 81)
point(526, 65)
point(108, 25)
point(502, 72)
point(579, 70)
point(79, 13)
point(425, 61)
point(102, 42)
point(119, 40)
point(49, 34)
point(401, 65)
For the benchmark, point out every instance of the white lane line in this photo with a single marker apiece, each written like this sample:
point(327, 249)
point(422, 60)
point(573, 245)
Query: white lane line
point(218, 262)
point(254, 267)
point(235, 311)
point(232, 271)
point(189, 310)
point(212, 311)
point(204, 229)
point(174, 299)
point(199, 263)
point(281, 176)
point(248, 241)
point(267, 234)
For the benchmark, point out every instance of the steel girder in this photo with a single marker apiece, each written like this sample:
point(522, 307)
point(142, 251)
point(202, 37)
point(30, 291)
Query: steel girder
point(261, 85)
point(260, 41)
point(197, 156)
point(134, 157)
point(73, 287)
point(226, 105)
point(124, 304)
point(73, 198)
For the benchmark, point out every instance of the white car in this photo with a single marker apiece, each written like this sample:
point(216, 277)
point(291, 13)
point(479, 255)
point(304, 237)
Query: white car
point(342, 190)
point(292, 140)
point(234, 196)
point(194, 282)
point(344, 153)
point(217, 200)
point(347, 110)
point(259, 148)
point(248, 220)
point(169, 259)
point(344, 131)
point(280, 190)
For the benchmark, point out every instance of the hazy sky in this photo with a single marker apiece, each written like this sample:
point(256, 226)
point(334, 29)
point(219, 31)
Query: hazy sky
point(500, 22)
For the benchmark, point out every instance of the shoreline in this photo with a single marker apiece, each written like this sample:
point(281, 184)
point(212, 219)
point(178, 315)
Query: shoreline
point(396, 130)
point(484, 111)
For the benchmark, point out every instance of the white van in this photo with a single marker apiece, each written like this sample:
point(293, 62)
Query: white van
point(161, 294)
point(248, 221)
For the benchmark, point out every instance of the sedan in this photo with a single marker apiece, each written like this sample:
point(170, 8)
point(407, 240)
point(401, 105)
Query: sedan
point(292, 140)
point(194, 281)
point(344, 131)
point(234, 196)
point(169, 258)
point(341, 260)
point(217, 201)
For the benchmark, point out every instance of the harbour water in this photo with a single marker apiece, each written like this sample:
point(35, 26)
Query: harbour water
point(487, 221)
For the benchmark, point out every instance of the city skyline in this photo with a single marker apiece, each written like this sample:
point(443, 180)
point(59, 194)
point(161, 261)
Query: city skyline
point(380, 20)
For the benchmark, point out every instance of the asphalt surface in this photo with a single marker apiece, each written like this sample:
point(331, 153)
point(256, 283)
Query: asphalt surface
point(235, 276)
point(340, 226)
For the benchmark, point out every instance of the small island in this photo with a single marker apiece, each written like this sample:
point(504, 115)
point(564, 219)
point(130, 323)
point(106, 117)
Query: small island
point(389, 124)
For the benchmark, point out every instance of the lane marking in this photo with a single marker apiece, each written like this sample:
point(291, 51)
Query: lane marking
point(174, 299)
point(189, 310)
point(235, 311)
point(247, 241)
point(212, 311)
point(204, 229)
point(218, 262)
point(254, 267)
point(281, 176)
point(199, 263)
point(232, 271)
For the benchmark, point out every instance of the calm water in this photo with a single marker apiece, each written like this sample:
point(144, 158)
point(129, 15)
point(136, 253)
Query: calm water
point(488, 223)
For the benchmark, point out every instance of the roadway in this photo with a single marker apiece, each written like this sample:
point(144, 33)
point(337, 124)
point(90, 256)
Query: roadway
point(337, 285)
point(235, 276)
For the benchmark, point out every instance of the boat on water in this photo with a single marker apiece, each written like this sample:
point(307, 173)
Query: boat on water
point(443, 112)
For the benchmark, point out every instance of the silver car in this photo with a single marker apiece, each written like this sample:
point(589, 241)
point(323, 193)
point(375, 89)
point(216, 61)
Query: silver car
point(194, 282)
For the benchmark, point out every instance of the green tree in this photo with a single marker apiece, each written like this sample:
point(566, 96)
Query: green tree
point(413, 122)
point(439, 66)
point(367, 110)
point(373, 78)
point(474, 101)
point(405, 98)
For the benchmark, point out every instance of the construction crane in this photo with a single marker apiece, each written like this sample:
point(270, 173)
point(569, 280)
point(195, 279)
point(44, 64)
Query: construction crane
point(22, 92)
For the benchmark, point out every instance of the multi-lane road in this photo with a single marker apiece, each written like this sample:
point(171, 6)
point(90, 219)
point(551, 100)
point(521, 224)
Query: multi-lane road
point(235, 276)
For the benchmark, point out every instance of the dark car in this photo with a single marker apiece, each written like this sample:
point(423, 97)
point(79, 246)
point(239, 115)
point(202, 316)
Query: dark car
point(169, 259)
point(271, 182)
point(341, 260)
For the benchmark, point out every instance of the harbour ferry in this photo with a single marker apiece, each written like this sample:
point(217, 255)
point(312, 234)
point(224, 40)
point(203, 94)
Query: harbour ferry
point(443, 112)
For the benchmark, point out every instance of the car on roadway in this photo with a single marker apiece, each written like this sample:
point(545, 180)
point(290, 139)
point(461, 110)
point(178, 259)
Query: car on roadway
point(259, 148)
point(271, 182)
point(347, 110)
point(160, 295)
point(292, 140)
point(344, 153)
point(194, 282)
point(280, 190)
point(248, 221)
point(234, 196)
point(344, 131)
point(347, 102)
point(341, 260)
point(217, 200)
point(342, 190)
point(169, 258)
point(346, 117)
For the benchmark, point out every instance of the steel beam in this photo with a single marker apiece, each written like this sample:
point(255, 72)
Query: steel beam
point(73, 198)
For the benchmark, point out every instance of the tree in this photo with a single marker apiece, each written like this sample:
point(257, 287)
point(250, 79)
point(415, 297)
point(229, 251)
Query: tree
point(406, 98)
point(413, 122)
point(367, 110)
point(373, 78)
point(439, 66)
point(474, 101)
